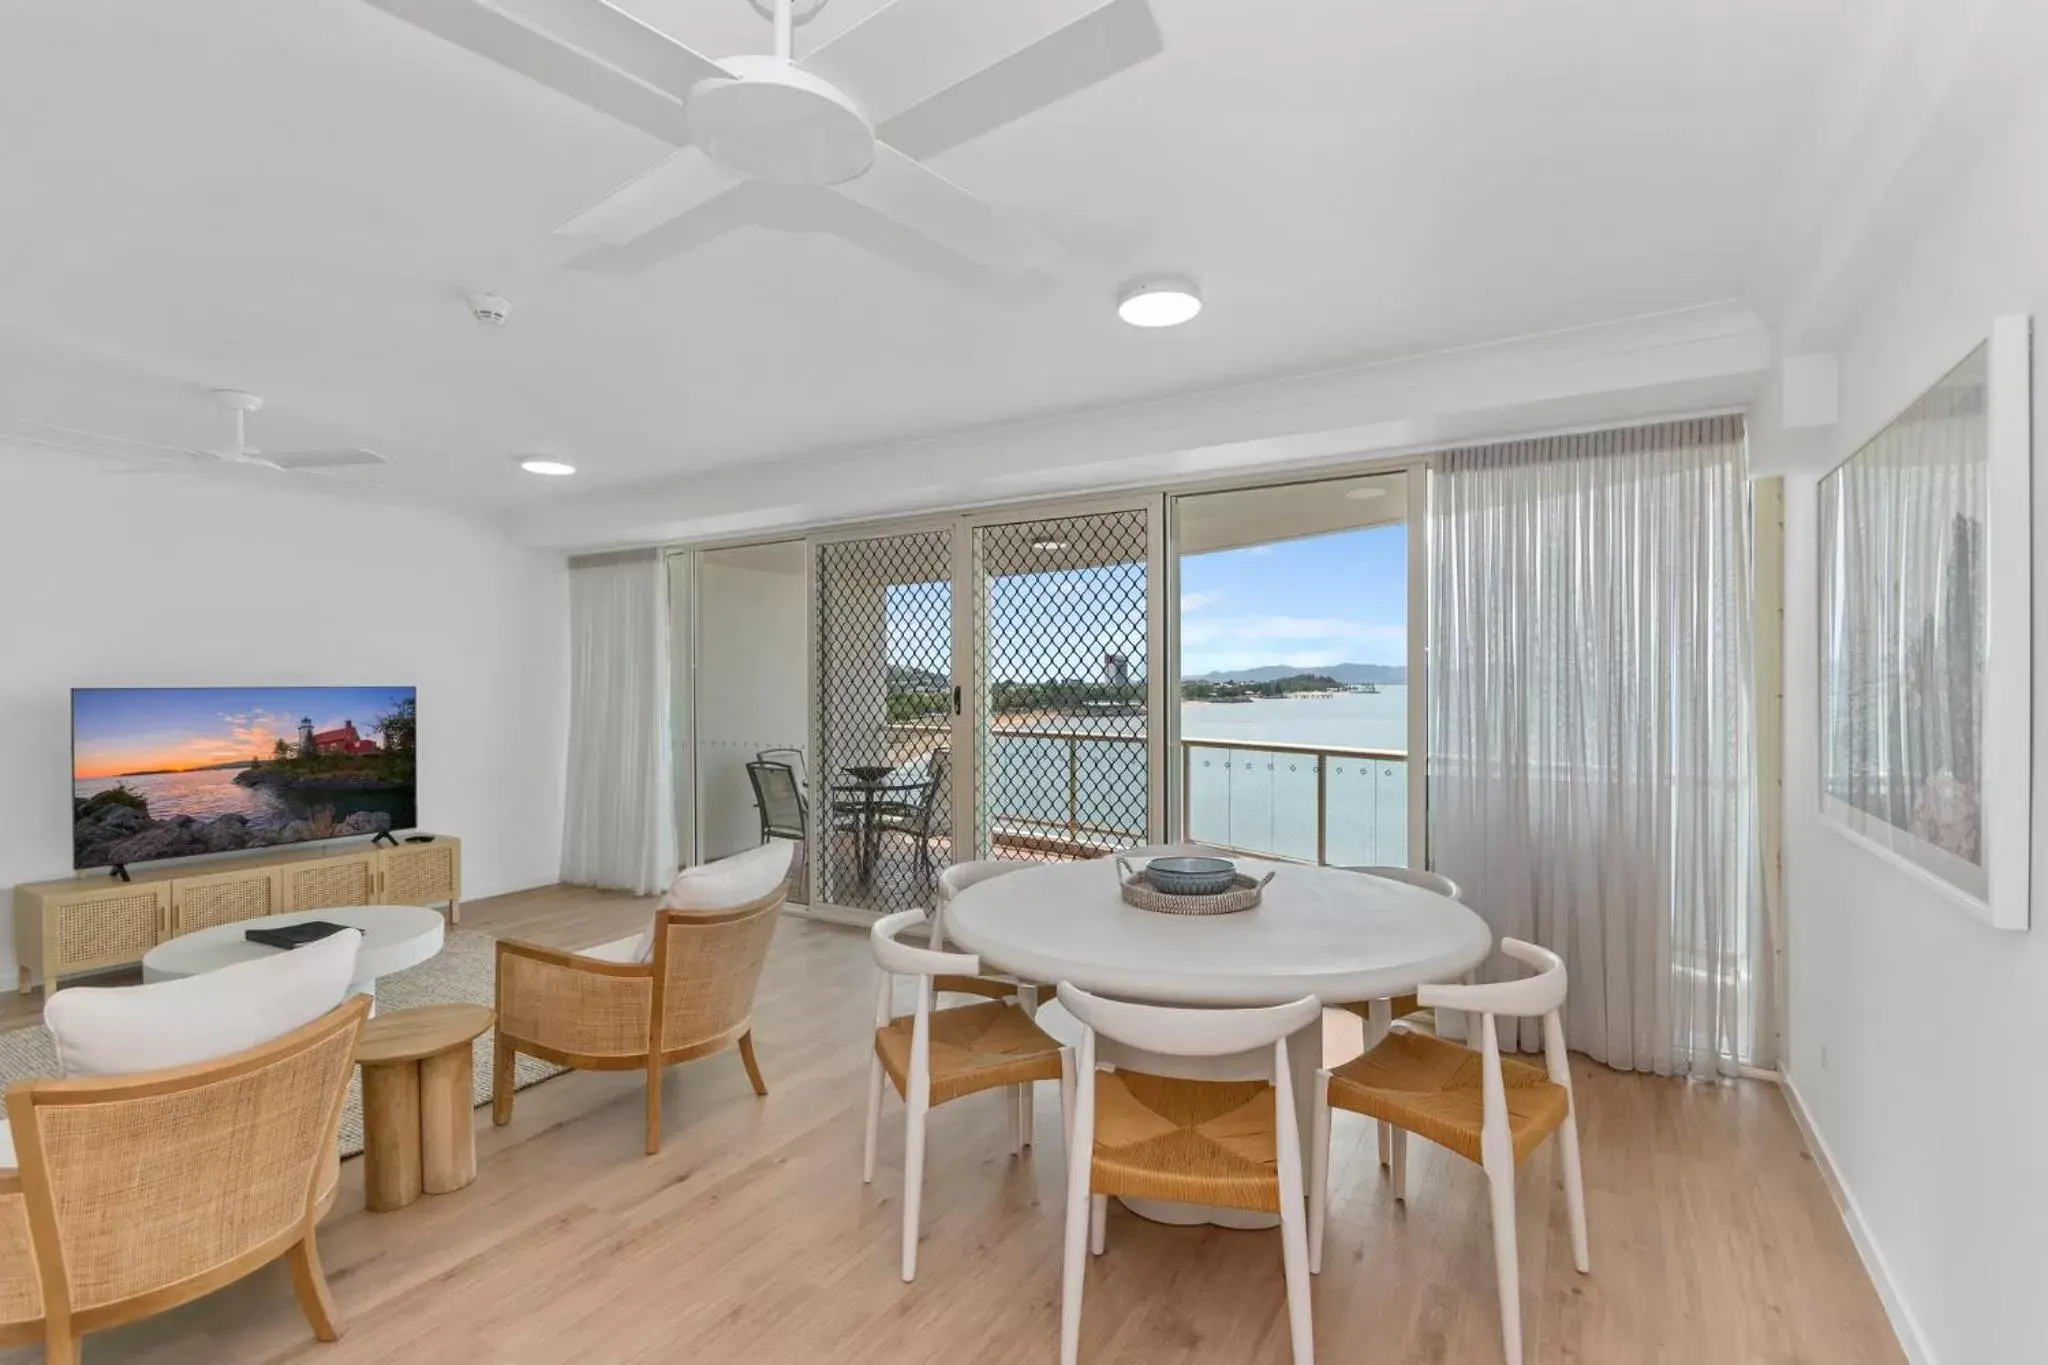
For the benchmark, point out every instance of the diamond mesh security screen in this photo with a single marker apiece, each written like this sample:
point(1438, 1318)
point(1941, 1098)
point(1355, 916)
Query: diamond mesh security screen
point(1060, 729)
point(884, 618)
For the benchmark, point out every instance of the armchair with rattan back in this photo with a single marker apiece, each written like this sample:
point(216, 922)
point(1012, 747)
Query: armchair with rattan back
point(694, 998)
point(134, 1194)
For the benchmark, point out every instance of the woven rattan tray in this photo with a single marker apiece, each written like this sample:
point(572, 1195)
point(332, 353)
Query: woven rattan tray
point(1244, 893)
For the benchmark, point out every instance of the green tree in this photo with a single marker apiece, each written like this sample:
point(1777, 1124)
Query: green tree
point(398, 725)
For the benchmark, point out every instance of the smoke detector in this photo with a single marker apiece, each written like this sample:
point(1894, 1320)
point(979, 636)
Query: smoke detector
point(490, 309)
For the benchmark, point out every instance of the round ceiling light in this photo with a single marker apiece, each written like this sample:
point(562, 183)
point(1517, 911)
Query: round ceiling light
point(1159, 303)
point(540, 464)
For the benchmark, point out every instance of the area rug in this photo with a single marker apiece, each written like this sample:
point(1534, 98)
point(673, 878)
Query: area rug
point(463, 972)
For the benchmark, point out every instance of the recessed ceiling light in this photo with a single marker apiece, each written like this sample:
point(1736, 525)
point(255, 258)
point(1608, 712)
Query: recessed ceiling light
point(1159, 303)
point(536, 464)
point(1048, 546)
point(1365, 493)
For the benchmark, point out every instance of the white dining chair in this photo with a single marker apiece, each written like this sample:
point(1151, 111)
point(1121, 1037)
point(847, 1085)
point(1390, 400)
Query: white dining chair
point(1234, 1144)
point(1487, 1109)
point(1381, 1015)
point(990, 985)
point(958, 878)
point(1415, 876)
point(932, 1056)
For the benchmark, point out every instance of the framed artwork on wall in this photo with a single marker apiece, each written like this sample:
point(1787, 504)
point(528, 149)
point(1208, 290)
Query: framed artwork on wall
point(1926, 633)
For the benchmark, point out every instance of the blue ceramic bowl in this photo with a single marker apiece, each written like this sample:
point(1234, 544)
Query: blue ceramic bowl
point(1191, 876)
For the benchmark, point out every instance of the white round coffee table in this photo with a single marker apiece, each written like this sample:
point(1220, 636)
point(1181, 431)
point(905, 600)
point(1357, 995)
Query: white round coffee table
point(1339, 936)
point(394, 937)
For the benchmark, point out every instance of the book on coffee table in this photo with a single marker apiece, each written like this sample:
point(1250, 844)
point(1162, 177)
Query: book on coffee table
point(293, 935)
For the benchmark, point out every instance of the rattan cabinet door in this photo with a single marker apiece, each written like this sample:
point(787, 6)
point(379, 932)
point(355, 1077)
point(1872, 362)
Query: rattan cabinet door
point(224, 898)
point(421, 874)
point(330, 882)
point(104, 928)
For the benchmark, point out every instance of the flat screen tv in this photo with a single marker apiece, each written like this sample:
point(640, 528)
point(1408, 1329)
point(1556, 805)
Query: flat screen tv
point(174, 772)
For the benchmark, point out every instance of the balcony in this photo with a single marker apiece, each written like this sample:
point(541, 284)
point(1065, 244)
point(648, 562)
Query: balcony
point(1304, 802)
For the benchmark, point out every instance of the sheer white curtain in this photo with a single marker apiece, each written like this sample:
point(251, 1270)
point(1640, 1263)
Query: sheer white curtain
point(1591, 739)
point(618, 830)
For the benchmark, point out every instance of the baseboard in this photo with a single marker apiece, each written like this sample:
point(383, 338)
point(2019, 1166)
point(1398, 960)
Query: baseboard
point(832, 914)
point(1904, 1326)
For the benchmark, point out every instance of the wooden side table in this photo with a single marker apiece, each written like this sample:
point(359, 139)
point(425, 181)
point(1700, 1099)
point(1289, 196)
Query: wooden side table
point(419, 1122)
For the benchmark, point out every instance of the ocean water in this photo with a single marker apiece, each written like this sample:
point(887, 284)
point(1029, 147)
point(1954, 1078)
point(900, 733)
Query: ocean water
point(1244, 797)
point(200, 795)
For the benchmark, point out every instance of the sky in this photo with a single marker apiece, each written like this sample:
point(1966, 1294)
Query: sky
point(132, 730)
point(1309, 603)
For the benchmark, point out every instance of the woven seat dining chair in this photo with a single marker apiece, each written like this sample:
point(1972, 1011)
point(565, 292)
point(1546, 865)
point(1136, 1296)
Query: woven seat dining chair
point(131, 1194)
point(1380, 1015)
point(932, 1056)
point(1485, 1108)
point(1234, 1144)
point(684, 990)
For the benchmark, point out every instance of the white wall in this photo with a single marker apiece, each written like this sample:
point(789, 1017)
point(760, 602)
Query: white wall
point(751, 624)
point(197, 579)
point(1918, 1036)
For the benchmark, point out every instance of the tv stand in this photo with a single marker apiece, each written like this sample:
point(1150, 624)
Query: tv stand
point(383, 836)
point(119, 871)
point(90, 922)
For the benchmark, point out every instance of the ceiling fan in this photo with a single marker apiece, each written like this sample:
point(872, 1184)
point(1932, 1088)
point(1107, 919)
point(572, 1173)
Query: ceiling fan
point(929, 72)
point(165, 458)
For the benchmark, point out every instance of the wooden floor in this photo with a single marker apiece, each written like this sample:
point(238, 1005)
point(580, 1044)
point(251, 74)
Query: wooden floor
point(751, 1239)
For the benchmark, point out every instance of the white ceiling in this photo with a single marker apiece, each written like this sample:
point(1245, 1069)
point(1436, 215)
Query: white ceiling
point(294, 198)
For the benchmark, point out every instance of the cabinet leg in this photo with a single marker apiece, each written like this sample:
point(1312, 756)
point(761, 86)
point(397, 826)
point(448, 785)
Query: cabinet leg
point(21, 969)
point(391, 1136)
point(455, 912)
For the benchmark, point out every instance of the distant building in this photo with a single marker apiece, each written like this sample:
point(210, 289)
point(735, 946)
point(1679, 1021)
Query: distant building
point(1118, 667)
point(342, 740)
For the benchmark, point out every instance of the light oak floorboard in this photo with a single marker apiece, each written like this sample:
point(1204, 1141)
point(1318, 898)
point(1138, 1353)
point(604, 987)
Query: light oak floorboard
point(750, 1238)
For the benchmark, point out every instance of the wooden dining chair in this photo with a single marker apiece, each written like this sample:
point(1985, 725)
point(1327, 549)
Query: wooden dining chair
point(932, 1056)
point(1487, 1109)
point(1233, 1144)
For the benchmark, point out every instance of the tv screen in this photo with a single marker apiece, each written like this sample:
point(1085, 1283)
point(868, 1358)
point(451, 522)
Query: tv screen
point(173, 772)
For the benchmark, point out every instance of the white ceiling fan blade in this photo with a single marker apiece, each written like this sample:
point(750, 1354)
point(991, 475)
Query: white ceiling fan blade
point(82, 440)
point(309, 461)
point(617, 39)
point(1114, 38)
point(493, 34)
point(934, 207)
point(906, 52)
point(686, 181)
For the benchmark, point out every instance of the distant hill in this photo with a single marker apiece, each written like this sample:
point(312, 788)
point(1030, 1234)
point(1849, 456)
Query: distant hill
point(1343, 673)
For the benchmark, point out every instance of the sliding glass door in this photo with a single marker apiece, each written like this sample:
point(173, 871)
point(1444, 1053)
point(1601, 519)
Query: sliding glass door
point(1059, 684)
point(1300, 710)
point(1064, 684)
point(883, 717)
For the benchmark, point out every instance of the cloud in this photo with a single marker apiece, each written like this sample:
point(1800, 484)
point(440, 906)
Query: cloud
point(1195, 601)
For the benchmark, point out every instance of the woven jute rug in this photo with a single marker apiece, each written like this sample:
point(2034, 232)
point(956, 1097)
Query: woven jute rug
point(463, 972)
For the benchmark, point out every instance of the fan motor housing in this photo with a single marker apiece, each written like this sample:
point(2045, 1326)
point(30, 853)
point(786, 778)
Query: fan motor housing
point(775, 121)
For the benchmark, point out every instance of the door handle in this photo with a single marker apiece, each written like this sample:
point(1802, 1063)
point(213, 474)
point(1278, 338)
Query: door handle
point(956, 699)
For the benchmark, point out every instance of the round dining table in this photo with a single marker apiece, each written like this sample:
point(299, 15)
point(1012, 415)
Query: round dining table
point(1339, 936)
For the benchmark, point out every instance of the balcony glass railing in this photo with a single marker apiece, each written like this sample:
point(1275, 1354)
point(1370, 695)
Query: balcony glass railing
point(1315, 803)
point(1075, 793)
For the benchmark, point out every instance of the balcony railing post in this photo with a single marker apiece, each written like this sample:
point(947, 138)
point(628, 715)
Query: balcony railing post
point(1073, 790)
point(1322, 811)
